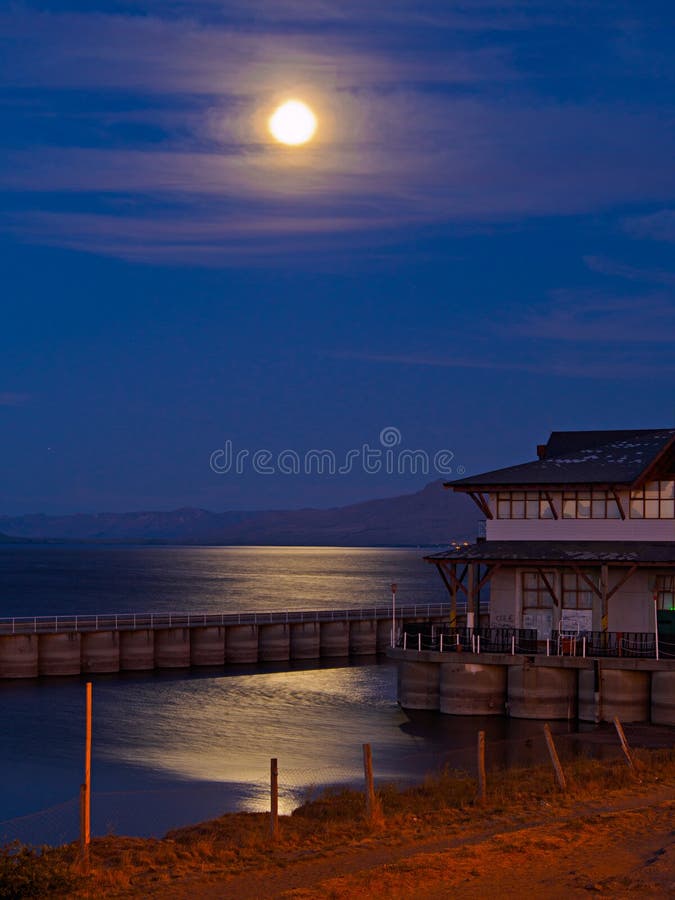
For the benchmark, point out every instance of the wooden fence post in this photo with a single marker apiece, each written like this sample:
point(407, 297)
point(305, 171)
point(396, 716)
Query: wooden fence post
point(274, 799)
point(85, 788)
point(482, 781)
point(624, 745)
point(553, 753)
point(371, 801)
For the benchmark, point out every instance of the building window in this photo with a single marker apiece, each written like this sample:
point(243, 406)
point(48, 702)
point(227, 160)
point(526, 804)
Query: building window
point(665, 592)
point(576, 594)
point(589, 505)
point(656, 500)
point(535, 593)
point(523, 505)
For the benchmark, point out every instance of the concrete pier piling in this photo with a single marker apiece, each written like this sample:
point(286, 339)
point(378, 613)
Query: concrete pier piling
point(172, 648)
point(137, 650)
point(542, 692)
point(363, 638)
point(305, 640)
point(19, 656)
point(100, 652)
point(334, 639)
point(241, 644)
point(470, 689)
point(419, 685)
point(663, 698)
point(207, 646)
point(274, 643)
point(59, 654)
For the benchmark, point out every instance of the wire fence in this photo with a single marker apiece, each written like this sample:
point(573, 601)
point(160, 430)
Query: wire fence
point(156, 811)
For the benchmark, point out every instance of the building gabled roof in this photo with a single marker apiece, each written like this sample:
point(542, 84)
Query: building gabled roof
point(582, 458)
point(656, 553)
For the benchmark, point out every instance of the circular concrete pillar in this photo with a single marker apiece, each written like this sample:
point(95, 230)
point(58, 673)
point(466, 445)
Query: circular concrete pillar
point(541, 692)
point(472, 690)
point(19, 656)
point(418, 684)
point(335, 638)
point(100, 651)
point(363, 637)
point(207, 645)
point(663, 698)
point(59, 654)
point(274, 643)
point(624, 693)
point(305, 640)
point(137, 650)
point(172, 648)
point(241, 644)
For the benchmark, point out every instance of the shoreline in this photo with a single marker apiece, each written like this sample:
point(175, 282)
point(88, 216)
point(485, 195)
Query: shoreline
point(526, 825)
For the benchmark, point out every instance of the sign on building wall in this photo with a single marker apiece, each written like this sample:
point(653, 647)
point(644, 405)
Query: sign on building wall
point(541, 620)
point(576, 620)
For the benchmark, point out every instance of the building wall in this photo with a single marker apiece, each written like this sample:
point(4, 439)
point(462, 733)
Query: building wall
point(579, 529)
point(630, 609)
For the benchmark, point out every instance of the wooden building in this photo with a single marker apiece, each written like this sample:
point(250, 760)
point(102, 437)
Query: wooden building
point(581, 539)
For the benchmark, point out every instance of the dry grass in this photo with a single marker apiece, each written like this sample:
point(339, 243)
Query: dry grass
point(335, 822)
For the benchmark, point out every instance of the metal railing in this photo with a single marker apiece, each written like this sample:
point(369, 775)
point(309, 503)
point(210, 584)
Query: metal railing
point(440, 638)
point(443, 639)
point(635, 644)
point(135, 621)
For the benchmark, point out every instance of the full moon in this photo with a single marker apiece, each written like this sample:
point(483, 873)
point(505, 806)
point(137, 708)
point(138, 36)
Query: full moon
point(292, 123)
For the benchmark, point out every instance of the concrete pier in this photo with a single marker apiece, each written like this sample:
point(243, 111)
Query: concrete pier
point(207, 646)
point(663, 698)
point(134, 642)
point(19, 656)
point(274, 643)
point(305, 640)
point(241, 644)
point(363, 638)
point(541, 692)
point(537, 686)
point(59, 654)
point(419, 685)
point(137, 650)
point(100, 652)
point(334, 639)
point(172, 648)
point(471, 689)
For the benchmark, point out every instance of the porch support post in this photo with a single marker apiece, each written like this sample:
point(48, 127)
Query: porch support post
point(604, 587)
point(471, 604)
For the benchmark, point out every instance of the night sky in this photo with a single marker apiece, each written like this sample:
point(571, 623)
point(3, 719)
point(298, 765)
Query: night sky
point(476, 248)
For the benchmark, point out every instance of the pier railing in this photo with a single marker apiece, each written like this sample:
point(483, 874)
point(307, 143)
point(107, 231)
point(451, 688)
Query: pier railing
point(135, 621)
point(441, 638)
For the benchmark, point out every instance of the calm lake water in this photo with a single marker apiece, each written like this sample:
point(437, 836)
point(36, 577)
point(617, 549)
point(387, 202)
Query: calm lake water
point(174, 748)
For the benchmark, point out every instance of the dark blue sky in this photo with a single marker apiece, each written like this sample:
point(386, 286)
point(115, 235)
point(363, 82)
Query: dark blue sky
point(477, 247)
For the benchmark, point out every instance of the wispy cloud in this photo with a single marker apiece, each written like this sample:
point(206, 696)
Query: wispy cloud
point(599, 318)
point(12, 398)
point(449, 134)
point(605, 266)
point(659, 226)
point(537, 360)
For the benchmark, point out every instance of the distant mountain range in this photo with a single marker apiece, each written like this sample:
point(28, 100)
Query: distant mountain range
point(429, 517)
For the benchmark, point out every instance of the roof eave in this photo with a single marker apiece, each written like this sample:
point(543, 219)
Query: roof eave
point(653, 466)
